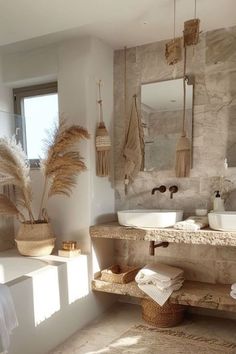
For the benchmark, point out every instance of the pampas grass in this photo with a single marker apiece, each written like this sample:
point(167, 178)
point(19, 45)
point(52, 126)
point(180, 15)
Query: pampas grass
point(60, 168)
point(15, 168)
point(62, 163)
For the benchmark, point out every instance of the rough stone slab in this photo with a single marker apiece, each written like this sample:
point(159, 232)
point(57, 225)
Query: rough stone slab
point(201, 237)
point(198, 294)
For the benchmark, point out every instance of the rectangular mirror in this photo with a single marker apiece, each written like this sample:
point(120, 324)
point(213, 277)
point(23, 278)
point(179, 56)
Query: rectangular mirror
point(162, 117)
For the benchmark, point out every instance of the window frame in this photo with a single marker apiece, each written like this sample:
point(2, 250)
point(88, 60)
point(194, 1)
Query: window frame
point(18, 95)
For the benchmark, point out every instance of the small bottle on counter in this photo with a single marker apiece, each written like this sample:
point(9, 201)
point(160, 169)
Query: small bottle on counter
point(218, 202)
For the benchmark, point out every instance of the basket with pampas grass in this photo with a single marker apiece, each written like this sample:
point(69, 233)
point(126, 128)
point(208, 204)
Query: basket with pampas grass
point(60, 168)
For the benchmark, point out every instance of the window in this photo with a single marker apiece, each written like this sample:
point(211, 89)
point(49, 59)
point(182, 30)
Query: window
point(37, 109)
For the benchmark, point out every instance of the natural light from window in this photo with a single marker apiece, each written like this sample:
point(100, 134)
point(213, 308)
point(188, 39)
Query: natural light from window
point(41, 116)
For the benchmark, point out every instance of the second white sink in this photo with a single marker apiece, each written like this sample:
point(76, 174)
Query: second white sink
point(222, 220)
point(149, 218)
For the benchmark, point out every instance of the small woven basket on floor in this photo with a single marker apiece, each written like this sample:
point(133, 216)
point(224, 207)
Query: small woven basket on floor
point(168, 315)
point(119, 274)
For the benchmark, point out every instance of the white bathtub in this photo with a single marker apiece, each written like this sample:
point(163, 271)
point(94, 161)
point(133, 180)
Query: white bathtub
point(13, 266)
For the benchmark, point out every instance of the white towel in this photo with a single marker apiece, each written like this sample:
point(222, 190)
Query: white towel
point(159, 281)
point(8, 319)
point(193, 223)
point(233, 294)
point(233, 287)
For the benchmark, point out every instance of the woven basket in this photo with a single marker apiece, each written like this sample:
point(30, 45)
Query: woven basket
point(36, 231)
point(168, 315)
point(119, 274)
point(35, 248)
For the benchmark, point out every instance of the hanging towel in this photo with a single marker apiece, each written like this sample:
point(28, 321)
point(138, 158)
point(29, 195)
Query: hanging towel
point(233, 291)
point(134, 145)
point(8, 319)
point(193, 223)
point(159, 281)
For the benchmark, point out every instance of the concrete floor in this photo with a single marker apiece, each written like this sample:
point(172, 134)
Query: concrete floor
point(121, 316)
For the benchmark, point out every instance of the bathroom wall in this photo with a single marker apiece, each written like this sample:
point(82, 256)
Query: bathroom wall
point(77, 65)
point(6, 129)
point(213, 64)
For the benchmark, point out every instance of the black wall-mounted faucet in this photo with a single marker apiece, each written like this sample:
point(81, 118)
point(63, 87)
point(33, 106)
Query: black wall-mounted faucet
point(172, 190)
point(161, 189)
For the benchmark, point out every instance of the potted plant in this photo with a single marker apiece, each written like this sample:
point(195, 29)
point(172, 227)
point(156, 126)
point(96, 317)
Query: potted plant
point(60, 167)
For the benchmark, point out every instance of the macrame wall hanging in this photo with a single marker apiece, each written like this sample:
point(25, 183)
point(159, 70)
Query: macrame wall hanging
point(183, 148)
point(103, 142)
point(173, 50)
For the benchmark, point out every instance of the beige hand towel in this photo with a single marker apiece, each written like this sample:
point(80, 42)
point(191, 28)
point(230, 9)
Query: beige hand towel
point(134, 145)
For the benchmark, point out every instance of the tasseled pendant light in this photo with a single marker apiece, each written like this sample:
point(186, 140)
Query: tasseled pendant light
point(191, 29)
point(183, 148)
point(103, 143)
point(173, 50)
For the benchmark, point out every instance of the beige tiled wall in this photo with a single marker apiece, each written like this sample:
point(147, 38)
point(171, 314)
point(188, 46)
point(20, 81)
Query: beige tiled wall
point(213, 64)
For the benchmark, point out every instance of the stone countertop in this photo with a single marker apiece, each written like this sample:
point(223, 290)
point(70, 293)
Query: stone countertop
point(113, 230)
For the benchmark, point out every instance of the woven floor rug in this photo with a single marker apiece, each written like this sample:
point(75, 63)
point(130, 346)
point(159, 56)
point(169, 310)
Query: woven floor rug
point(149, 340)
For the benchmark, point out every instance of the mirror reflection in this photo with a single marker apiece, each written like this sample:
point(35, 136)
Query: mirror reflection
point(162, 112)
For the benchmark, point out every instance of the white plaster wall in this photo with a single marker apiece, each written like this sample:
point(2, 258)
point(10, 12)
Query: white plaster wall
point(6, 129)
point(77, 65)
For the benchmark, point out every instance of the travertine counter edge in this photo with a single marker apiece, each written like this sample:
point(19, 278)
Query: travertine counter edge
point(204, 237)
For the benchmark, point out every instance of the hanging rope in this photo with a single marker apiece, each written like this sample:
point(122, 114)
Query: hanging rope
point(184, 91)
point(174, 16)
point(126, 180)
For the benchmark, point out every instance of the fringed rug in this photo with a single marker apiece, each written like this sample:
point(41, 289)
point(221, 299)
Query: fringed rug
point(150, 340)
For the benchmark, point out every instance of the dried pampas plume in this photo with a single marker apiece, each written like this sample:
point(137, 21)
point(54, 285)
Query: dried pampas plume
point(62, 163)
point(14, 168)
point(8, 208)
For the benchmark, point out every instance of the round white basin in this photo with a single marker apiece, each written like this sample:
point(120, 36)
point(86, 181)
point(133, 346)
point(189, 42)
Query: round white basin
point(149, 218)
point(222, 220)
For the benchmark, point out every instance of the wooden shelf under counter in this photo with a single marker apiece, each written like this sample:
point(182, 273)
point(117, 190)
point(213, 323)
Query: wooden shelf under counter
point(193, 293)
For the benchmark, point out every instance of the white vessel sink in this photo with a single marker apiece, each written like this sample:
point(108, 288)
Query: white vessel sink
point(222, 220)
point(149, 218)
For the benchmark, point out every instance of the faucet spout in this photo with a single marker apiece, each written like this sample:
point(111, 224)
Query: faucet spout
point(172, 190)
point(161, 189)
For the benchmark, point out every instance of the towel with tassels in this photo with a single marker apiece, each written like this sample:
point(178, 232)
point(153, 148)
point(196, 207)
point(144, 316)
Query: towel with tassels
point(134, 145)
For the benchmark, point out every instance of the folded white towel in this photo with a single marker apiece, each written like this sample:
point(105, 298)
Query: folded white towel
point(8, 319)
point(159, 281)
point(233, 287)
point(193, 223)
point(233, 294)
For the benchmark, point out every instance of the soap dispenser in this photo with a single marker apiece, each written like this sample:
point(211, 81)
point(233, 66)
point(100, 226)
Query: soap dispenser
point(218, 203)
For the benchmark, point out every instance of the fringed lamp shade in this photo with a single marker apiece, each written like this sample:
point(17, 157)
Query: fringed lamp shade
point(173, 51)
point(191, 32)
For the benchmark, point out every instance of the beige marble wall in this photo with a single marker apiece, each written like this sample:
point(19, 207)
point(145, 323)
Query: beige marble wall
point(213, 65)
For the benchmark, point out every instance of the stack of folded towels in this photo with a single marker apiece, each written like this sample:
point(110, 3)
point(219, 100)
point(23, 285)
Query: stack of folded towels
point(233, 291)
point(159, 281)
